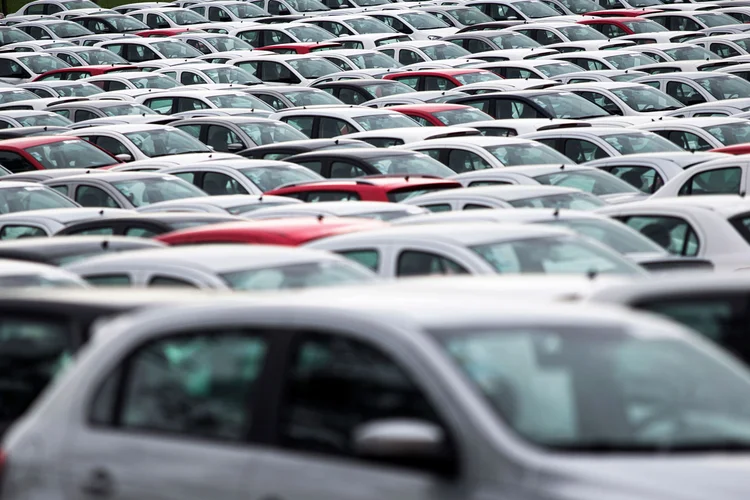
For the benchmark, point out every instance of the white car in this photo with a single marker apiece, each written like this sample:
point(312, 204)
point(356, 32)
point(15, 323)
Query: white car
point(420, 97)
point(662, 36)
point(606, 59)
point(723, 107)
point(229, 11)
point(85, 56)
point(353, 24)
point(234, 204)
point(317, 123)
point(170, 17)
point(711, 227)
point(172, 101)
point(510, 127)
point(698, 87)
point(666, 52)
point(111, 82)
point(605, 75)
point(47, 222)
point(380, 210)
point(53, 29)
point(370, 40)
point(215, 43)
point(52, 6)
point(263, 35)
point(61, 88)
point(301, 69)
point(725, 45)
point(138, 50)
point(417, 24)
point(140, 142)
point(702, 134)
point(423, 50)
point(25, 66)
point(385, 138)
point(691, 20)
point(548, 33)
point(625, 99)
point(352, 59)
point(725, 176)
point(208, 74)
point(520, 10)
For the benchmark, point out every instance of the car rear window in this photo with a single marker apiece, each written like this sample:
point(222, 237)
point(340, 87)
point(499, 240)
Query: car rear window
point(401, 194)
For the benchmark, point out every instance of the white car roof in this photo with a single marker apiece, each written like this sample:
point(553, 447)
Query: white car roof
point(504, 193)
point(727, 205)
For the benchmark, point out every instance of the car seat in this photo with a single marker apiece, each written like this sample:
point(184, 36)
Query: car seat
point(658, 234)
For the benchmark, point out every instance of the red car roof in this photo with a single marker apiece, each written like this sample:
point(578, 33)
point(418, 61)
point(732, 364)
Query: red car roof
point(36, 140)
point(386, 181)
point(94, 70)
point(291, 231)
point(737, 149)
point(438, 72)
point(622, 12)
point(300, 47)
point(621, 19)
point(427, 107)
point(164, 32)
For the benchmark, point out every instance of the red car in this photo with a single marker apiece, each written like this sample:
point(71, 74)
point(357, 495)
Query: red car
point(737, 149)
point(393, 188)
point(78, 72)
point(622, 12)
point(162, 32)
point(302, 47)
point(52, 152)
point(612, 27)
point(442, 79)
point(291, 231)
point(441, 115)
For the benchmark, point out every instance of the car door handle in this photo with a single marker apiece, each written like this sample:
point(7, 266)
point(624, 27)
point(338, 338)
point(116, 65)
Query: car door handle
point(98, 484)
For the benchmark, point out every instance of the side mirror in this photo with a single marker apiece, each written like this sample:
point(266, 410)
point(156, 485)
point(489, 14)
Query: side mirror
point(124, 157)
point(235, 146)
point(416, 443)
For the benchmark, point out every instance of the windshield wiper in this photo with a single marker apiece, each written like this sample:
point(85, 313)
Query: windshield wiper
point(728, 445)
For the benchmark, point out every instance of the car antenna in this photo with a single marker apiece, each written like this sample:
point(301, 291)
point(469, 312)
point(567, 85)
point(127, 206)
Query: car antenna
point(591, 275)
point(742, 194)
point(562, 167)
point(101, 212)
point(320, 217)
point(556, 213)
point(105, 244)
point(406, 178)
point(260, 198)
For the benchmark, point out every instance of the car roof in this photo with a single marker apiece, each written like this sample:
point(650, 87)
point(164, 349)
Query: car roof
point(505, 193)
point(36, 140)
point(727, 205)
point(127, 128)
point(339, 208)
point(429, 107)
point(386, 181)
point(364, 153)
point(65, 215)
point(109, 177)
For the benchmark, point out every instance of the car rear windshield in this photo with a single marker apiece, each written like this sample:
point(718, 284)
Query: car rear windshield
point(572, 201)
point(303, 275)
point(592, 181)
point(269, 178)
point(71, 153)
point(145, 191)
point(128, 109)
point(401, 194)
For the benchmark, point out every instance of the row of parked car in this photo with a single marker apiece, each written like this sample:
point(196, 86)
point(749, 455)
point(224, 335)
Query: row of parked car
point(241, 245)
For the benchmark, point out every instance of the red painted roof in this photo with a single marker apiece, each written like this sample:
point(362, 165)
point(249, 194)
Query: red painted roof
point(427, 107)
point(386, 181)
point(622, 12)
point(36, 140)
point(291, 231)
point(163, 32)
point(737, 149)
point(438, 72)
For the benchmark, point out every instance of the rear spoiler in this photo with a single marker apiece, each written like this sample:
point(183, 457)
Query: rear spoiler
point(672, 264)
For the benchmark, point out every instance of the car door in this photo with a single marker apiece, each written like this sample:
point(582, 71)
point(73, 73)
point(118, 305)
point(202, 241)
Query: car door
point(224, 139)
point(90, 195)
point(674, 234)
point(314, 430)
point(177, 402)
point(728, 180)
point(684, 92)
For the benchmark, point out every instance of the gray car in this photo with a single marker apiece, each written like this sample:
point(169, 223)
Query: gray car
point(59, 251)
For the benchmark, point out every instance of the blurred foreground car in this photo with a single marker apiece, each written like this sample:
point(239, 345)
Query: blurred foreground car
point(60, 251)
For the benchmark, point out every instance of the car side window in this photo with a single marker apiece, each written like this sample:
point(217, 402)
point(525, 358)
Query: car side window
point(302, 123)
point(406, 57)
point(190, 104)
point(215, 183)
point(139, 232)
point(82, 115)
point(341, 170)
point(333, 127)
point(168, 281)
point(717, 181)
point(475, 206)
point(460, 160)
point(674, 234)
point(111, 145)
point(411, 81)
point(509, 108)
point(351, 96)
point(220, 138)
point(723, 50)
point(108, 279)
point(315, 196)
point(17, 231)
point(646, 179)
point(209, 376)
point(612, 31)
point(162, 105)
point(688, 141)
point(91, 196)
point(190, 78)
point(156, 21)
point(438, 207)
point(15, 162)
point(581, 151)
point(335, 384)
point(419, 263)
point(602, 101)
point(437, 83)
point(475, 46)
point(271, 100)
point(684, 93)
point(370, 258)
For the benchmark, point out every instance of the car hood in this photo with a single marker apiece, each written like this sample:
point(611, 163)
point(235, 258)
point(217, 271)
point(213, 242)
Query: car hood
point(650, 477)
point(617, 198)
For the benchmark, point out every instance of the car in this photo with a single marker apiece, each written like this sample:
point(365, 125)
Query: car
point(419, 51)
point(607, 75)
point(234, 204)
point(614, 27)
point(568, 8)
point(699, 87)
point(241, 176)
point(441, 115)
point(548, 103)
point(691, 21)
point(385, 138)
point(214, 43)
point(417, 24)
point(473, 248)
point(370, 40)
point(25, 66)
point(702, 134)
point(352, 24)
point(286, 69)
point(16, 196)
point(283, 97)
point(358, 74)
point(442, 79)
point(141, 141)
point(82, 110)
point(52, 29)
point(518, 10)
point(86, 56)
point(228, 11)
point(137, 50)
point(264, 35)
point(722, 107)
point(130, 7)
point(208, 74)
point(724, 176)
point(300, 47)
point(50, 152)
point(10, 35)
point(587, 46)
point(606, 59)
point(144, 225)
point(167, 102)
point(43, 175)
point(624, 99)
point(353, 59)
point(356, 92)
point(518, 196)
point(317, 123)
point(371, 188)
point(285, 149)
point(23, 118)
point(741, 70)
point(663, 37)
point(457, 16)
point(512, 128)
point(548, 33)
point(48, 221)
point(279, 8)
point(132, 80)
point(48, 7)
point(708, 227)
point(165, 17)
point(666, 52)
point(54, 89)
point(425, 96)
point(725, 45)
point(59, 251)
point(10, 94)
point(379, 210)
point(683, 66)
point(649, 172)
point(79, 72)
point(588, 179)
point(106, 23)
point(123, 189)
point(443, 64)
point(484, 41)
point(35, 46)
point(353, 163)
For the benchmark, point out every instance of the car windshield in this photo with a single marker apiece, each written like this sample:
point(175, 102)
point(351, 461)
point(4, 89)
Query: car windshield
point(511, 40)
point(271, 132)
point(625, 61)
point(445, 50)
point(366, 25)
point(309, 33)
point(227, 43)
point(125, 23)
point(21, 199)
point(310, 98)
point(581, 6)
point(303, 275)
point(374, 60)
point(141, 192)
point(643, 98)
point(174, 49)
point(230, 74)
point(245, 10)
point(166, 142)
point(512, 155)
point(535, 10)
point(13, 35)
point(730, 133)
point(306, 5)
point(381, 121)
point(614, 234)
point(42, 63)
point(567, 105)
point(415, 164)
point(581, 33)
point(593, 181)
point(468, 16)
point(45, 120)
point(313, 67)
point(269, 178)
point(459, 116)
point(636, 143)
point(422, 21)
point(387, 88)
point(100, 56)
point(14, 95)
point(713, 19)
point(77, 90)
point(645, 26)
point(660, 391)
point(80, 4)
point(237, 101)
point(477, 77)
point(692, 53)
point(128, 109)
point(572, 201)
point(553, 255)
point(68, 29)
point(556, 69)
point(184, 17)
point(725, 86)
point(70, 153)
point(156, 81)
point(371, 3)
